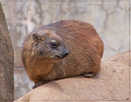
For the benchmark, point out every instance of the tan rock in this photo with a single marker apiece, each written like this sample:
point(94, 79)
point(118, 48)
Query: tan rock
point(111, 84)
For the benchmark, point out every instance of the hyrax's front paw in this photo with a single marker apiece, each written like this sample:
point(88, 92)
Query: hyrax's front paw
point(89, 75)
point(39, 84)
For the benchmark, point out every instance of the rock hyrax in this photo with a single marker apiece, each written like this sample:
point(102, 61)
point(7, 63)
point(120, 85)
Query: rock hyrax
point(45, 50)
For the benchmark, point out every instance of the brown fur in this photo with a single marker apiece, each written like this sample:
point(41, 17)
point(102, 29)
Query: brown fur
point(86, 50)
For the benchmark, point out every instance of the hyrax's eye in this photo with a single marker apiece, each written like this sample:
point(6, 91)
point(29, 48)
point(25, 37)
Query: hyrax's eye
point(53, 44)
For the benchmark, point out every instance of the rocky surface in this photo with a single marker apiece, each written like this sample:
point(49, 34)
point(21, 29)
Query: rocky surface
point(22, 83)
point(112, 85)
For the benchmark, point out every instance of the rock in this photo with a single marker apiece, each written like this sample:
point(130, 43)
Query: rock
point(6, 62)
point(22, 83)
point(111, 84)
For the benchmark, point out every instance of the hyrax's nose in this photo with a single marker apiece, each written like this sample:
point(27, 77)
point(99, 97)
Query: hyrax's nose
point(65, 53)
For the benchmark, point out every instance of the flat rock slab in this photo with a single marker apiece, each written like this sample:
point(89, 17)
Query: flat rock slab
point(112, 84)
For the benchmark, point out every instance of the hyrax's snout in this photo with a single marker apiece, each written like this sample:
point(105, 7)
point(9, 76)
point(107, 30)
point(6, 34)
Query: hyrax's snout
point(63, 54)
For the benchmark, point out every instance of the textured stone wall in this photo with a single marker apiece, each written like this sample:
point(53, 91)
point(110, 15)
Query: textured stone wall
point(109, 17)
point(6, 62)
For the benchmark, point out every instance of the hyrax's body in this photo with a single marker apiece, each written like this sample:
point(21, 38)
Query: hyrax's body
point(43, 59)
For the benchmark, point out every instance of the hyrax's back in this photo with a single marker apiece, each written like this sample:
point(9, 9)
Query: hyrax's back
point(85, 45)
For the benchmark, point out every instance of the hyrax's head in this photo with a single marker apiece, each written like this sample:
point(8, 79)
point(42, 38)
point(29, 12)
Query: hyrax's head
point(48, 45)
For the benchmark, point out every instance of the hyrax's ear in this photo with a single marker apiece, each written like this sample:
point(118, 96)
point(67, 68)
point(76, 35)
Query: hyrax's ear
point(35, 36)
